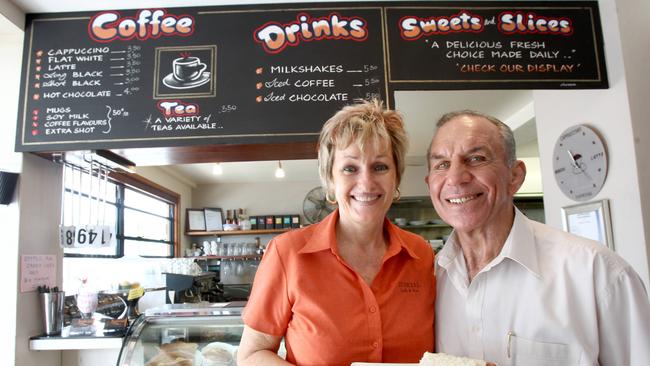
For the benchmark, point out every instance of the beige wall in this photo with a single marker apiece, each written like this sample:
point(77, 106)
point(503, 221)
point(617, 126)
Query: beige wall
point(10, 48)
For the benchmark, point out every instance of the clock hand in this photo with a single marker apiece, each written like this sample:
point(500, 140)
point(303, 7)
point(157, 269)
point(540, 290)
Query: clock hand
point(580, 167)
point(573, 160)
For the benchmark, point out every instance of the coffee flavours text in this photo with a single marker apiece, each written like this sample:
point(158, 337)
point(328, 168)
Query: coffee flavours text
point(275, 37)
point(108, 25)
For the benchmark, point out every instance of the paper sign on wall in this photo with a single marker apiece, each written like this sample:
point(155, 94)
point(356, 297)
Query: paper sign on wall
point(37, 270)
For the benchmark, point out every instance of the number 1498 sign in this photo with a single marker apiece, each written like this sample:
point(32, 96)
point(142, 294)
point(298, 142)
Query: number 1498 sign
point(87, 236)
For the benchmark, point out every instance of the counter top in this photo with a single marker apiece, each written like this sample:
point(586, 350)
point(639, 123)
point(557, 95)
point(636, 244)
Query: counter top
point(65, 341)
point(45, 343)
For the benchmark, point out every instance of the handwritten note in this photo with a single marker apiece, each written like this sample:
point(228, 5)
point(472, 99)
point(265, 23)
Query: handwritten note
point(37, 270)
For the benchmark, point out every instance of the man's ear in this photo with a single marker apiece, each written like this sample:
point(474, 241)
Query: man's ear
point(517, 176)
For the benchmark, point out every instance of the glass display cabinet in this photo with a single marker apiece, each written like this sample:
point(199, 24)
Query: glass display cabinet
point(185, 334)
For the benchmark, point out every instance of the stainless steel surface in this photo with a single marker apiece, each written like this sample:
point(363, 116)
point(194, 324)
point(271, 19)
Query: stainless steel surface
point(52, 311)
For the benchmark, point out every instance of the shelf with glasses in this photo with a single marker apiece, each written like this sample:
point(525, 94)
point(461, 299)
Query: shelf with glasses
point(237, 232)
point(425, 226)
point(247, 256)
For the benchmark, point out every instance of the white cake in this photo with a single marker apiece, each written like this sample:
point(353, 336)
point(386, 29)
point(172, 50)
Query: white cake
point(441, 359)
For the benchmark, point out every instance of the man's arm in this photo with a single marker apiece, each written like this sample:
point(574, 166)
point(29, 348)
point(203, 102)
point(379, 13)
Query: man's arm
point(624, 322)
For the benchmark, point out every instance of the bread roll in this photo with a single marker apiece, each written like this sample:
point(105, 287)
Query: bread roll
point(442, 359)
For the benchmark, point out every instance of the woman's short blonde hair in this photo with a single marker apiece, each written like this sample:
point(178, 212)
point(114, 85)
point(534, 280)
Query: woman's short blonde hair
point(361, 123)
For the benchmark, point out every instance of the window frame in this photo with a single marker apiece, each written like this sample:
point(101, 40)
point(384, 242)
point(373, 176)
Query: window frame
point(144, 186)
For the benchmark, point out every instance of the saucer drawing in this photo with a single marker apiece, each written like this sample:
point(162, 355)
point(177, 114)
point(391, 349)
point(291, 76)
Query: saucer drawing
point(171, 82)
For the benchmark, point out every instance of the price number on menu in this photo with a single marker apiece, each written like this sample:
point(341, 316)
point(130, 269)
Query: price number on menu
point(87, 236)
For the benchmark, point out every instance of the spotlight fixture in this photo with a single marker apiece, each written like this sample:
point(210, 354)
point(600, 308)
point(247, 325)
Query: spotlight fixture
point(217, 169)
point(279, 172)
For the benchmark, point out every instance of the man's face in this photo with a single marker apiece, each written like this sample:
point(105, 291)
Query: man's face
point(470, 184)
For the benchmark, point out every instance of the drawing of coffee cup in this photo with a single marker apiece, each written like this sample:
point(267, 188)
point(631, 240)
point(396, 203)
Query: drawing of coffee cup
point(187, 69)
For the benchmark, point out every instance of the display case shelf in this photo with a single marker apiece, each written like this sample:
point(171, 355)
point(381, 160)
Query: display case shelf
point(237, 232)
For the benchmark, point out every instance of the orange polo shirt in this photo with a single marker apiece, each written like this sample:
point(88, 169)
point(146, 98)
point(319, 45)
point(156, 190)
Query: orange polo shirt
point(328, 315)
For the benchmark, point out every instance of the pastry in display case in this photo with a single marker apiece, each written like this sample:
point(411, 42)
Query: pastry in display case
point(203, 334)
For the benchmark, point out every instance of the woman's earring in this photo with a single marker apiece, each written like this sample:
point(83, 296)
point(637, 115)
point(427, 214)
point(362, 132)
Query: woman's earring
point(330, 200)
point(397, 196)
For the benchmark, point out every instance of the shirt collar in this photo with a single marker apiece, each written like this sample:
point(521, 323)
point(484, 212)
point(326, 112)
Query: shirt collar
point(324, 237)
point(520, 244)
point(519, 247)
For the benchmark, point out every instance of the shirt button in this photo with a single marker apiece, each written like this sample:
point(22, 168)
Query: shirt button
point(373, 309)
point(375, 344)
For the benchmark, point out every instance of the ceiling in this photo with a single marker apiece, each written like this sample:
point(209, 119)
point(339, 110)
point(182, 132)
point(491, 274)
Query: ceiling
point(420, 108)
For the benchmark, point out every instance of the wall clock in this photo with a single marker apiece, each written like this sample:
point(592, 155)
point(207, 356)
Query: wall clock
point(580, 163)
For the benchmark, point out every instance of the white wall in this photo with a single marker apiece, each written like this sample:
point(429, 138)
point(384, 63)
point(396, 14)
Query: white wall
point(635, 44)
point(263, 198)
point(40, 202)
point(609, 111)
point(10, 48)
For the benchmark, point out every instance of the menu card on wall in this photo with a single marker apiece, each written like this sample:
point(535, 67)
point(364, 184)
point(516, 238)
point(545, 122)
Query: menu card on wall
point(37, 270)
point(275, 73)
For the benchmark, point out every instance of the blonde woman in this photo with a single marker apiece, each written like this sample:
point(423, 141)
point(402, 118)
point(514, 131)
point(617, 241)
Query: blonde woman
point(353, 287)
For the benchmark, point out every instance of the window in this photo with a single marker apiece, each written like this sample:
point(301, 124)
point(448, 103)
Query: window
point(143, 214)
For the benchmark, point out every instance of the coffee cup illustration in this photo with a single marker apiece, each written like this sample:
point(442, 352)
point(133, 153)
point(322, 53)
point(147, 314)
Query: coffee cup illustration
point(187, 72)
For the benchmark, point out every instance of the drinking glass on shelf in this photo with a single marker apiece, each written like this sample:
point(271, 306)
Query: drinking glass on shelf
point(238, 249)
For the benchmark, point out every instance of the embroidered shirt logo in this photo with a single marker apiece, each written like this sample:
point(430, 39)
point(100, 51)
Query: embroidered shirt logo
point(409, 286)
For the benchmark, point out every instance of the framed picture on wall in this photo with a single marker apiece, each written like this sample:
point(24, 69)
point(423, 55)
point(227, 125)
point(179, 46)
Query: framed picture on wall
point(213, 219)
point(195, 220)
point(590, 220)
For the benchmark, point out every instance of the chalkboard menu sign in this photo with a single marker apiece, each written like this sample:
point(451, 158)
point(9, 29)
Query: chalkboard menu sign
point(480, 45)
point(275, 73)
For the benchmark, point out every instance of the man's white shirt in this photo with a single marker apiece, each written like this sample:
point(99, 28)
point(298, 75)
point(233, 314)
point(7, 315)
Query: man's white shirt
point(549, 298)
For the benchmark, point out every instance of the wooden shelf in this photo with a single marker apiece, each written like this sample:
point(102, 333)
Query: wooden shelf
point(236, 232)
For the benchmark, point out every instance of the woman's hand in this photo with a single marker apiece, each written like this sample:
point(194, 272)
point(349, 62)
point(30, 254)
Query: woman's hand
point(257, 348)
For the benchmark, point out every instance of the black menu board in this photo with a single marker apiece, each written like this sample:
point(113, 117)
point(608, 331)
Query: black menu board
point(275, 73)
point(482, 46)
point(169, 77)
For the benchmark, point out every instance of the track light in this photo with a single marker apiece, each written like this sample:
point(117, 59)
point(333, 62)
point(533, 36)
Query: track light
point(279, 172)
point(217, 169)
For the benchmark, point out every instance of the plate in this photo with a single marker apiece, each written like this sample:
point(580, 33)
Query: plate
point(171, 82)
point(219, 354)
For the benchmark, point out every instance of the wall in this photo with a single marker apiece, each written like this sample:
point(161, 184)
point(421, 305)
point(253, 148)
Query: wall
point(609, 111)
point(635, 45)
point(263, 198)
point(10, 48)
point(40, 202)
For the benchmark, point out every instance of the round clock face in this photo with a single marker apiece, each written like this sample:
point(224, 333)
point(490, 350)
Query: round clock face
point(580, 163)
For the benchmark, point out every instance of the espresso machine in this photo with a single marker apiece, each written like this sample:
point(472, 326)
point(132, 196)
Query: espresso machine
point(183, 288)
